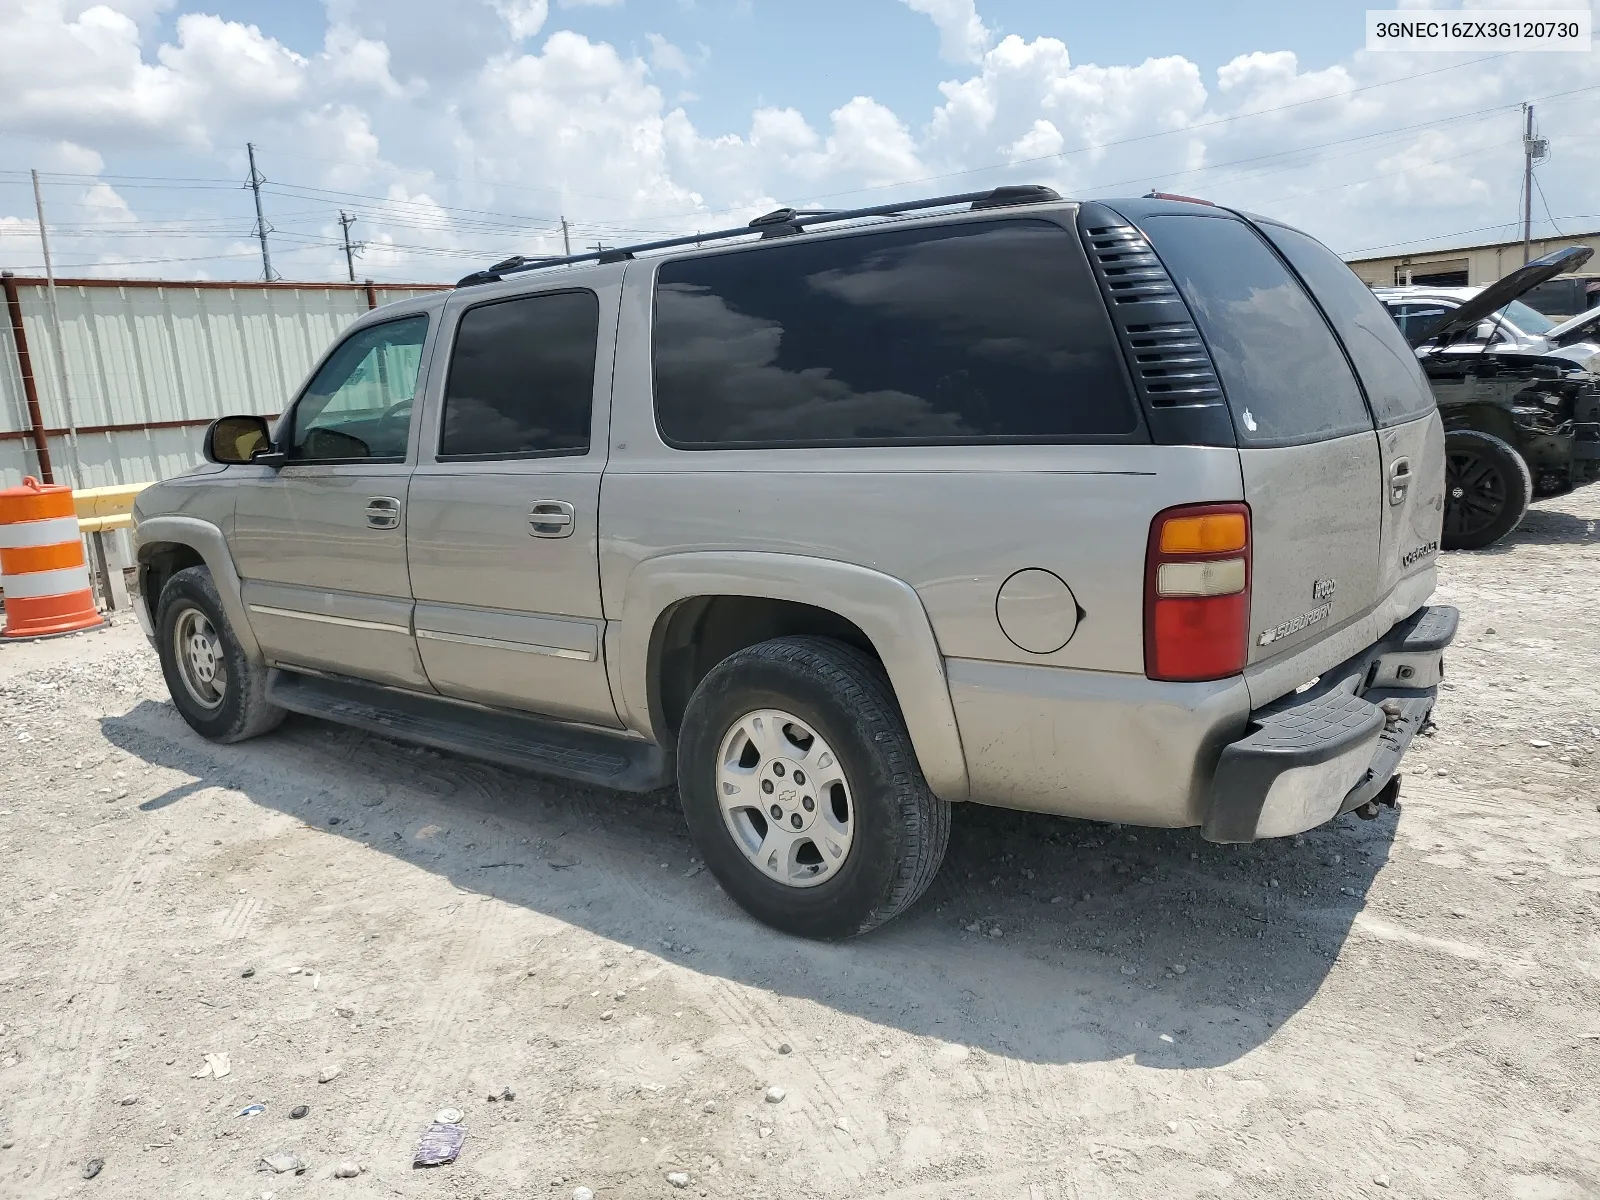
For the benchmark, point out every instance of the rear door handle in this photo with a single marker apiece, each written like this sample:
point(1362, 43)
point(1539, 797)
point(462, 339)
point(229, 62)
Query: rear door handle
point(383, 512)
point(551, 519)
point(1399, 480)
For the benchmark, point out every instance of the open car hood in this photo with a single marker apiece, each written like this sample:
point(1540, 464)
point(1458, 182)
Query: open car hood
point(1502, 292)
point(1582, 328)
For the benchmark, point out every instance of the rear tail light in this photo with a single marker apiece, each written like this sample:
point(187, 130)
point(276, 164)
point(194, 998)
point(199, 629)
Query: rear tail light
point(1197, 592)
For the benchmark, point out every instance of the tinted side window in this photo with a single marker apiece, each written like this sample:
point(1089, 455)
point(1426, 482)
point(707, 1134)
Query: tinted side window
point(1286, 379)
point(359, 403)
point(521, 380)
point(1396, 388)
point(984, 331)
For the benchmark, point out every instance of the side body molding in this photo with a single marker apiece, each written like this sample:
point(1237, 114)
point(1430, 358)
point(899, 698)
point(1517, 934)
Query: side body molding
point(886, 609)
point(207, 541)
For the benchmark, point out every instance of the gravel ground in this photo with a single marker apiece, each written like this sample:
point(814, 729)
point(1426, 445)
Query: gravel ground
point(1403, 1007)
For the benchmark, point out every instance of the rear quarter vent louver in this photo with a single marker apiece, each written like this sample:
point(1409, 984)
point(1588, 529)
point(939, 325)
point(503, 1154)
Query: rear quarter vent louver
point(1170, 364)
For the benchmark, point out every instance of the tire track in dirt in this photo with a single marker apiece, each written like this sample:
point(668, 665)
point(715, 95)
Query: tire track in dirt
point(750, 1014)
point(401, 1106)
point(84, 1008)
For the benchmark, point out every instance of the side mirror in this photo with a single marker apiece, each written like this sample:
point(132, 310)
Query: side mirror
point(1486, 330)
point(235, 440)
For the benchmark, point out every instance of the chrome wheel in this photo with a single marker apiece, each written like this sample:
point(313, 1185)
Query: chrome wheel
point(197, 649)
point(785, 798)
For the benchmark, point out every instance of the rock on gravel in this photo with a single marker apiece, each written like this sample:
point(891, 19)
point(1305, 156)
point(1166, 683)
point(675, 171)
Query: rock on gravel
point(678, 1179)
point(775, 1095)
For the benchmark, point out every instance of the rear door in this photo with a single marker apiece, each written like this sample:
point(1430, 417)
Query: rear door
point(1410, 434)
point(503, 531)
point(1308, 453)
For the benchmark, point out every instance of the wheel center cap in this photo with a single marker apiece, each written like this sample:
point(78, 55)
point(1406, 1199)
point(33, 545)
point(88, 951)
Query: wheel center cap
point(789, 804)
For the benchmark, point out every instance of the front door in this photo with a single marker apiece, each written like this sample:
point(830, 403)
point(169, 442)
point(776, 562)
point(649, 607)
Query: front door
point(320, 543)
point(503, 530)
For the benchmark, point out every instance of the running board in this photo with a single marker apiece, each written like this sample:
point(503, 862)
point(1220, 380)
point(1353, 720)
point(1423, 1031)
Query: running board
point(510, 739)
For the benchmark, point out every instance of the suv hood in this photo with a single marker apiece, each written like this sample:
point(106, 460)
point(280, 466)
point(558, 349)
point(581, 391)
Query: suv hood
point(1501, 293)
point(1581, 328)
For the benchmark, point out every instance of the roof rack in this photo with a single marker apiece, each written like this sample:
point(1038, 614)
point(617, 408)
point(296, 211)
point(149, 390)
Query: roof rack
point(782, 222)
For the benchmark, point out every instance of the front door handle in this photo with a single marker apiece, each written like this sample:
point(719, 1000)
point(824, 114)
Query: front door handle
point(1399, 480)
point(383, 512)
point(551, 519)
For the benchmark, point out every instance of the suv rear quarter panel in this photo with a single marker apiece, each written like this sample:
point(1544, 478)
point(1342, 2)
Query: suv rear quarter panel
point(954, 522)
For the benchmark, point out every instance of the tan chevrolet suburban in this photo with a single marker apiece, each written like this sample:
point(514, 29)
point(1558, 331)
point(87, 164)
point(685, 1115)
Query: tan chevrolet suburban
point(1123, 510)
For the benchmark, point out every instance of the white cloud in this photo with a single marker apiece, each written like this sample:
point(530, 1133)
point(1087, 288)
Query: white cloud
point(523, 18)
point(963, 37)
point(664, 56)
point(472, 135)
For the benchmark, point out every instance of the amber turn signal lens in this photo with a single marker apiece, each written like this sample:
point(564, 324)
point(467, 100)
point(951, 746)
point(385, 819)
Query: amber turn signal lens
point(1215, 533)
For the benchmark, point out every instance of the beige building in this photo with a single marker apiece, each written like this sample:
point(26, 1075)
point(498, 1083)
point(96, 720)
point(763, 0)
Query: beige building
point(1464, 266)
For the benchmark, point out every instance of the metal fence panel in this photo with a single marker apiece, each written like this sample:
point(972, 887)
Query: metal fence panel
point(165, 358)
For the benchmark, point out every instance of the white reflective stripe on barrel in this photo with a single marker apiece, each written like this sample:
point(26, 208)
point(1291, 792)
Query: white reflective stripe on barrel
point(47, 583)
point(50, 532)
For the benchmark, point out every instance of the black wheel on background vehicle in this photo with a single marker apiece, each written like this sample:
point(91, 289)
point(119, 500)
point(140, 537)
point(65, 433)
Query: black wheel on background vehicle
point(802, 791)
point(1487, 489)
point(218, 690)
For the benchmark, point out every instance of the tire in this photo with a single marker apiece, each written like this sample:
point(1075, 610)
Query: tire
point(1487, 489)
point(896, 828)
point(226, 705)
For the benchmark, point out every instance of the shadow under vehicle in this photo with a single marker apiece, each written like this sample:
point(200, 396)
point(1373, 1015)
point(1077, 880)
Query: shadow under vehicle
point(1518, 420)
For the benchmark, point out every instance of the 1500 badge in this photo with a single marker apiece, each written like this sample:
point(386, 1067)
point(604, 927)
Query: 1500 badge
point(1420, 552)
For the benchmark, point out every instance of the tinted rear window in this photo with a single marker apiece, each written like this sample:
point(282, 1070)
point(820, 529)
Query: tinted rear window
point(1286, 379)
point(1396, 387)
point(521, 381)
point(973, 332)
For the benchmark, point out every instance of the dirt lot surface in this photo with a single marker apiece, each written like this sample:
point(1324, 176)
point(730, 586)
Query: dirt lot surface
point(1403, 1007)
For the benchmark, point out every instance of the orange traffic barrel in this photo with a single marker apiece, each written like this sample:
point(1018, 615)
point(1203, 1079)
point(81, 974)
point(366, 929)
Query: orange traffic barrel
point(41, 563)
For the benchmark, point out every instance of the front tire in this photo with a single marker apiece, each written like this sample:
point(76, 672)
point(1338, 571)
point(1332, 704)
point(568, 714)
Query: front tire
point(1487, 489)
point(802, 790)
point(216, 688)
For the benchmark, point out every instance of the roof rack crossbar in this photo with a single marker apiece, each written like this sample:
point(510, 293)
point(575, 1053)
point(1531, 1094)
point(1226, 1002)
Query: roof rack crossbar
point(787, 219)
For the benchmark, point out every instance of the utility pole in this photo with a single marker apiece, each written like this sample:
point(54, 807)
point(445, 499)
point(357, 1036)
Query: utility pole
point(566, 241)
point(349, 249)
point(1527, 182)
point(61, 348)
point(1534, 151)
point(256, 180)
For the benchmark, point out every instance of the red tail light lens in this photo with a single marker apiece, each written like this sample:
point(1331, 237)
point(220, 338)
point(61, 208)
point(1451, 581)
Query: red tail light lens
point(1197, 592)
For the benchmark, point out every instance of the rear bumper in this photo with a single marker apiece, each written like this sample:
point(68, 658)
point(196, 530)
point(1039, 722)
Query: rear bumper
point(1315, 754)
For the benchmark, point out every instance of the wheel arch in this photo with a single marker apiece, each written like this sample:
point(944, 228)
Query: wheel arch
point(165, 545)
point(1485, 418)
point(683, 613)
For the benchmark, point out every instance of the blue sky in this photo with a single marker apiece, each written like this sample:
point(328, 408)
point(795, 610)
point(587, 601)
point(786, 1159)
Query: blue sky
point(458, 138)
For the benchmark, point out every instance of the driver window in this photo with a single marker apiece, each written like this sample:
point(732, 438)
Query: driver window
point(359, 404)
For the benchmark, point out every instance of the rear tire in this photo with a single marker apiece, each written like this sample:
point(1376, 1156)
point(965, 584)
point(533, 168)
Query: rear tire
point(808, 727)
point(1487, 489)
point(217, 689)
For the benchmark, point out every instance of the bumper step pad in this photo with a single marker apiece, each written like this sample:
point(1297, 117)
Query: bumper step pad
point(1303, 736)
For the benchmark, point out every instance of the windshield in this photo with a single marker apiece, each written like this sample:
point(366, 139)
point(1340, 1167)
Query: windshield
point(1529, 320)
